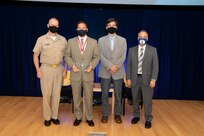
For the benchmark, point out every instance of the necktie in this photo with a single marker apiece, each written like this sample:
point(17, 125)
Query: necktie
point(140, 59)
point(82, 45)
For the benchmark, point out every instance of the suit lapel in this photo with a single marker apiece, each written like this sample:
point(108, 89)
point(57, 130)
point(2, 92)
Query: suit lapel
point(115, 47)
point(76, 44)
point(107, 43)
point(87, 46)
point(145, 53)
point(136, 54)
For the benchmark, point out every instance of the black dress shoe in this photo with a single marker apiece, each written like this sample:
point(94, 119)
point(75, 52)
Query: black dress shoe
point(76, 122)
point(55, 121)
point(47, 123)
point(135, 120)
point(148, 124)
point(90, 122)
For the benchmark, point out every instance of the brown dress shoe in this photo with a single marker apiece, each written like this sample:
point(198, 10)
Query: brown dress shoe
point(104, 119)
point(118, 119)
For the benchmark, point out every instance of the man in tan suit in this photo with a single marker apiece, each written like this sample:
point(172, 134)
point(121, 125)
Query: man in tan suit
point(82, 56)
point(51, 47)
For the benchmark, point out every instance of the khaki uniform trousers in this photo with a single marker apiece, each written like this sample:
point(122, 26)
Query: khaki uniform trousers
point(51, 84)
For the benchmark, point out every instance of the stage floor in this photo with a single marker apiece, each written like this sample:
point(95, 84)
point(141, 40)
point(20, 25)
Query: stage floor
point(22, 116)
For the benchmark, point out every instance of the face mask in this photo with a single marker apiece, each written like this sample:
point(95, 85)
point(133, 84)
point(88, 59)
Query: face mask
point(81, 32)
point(53, 29)
point(112, 30)
point(142, 41)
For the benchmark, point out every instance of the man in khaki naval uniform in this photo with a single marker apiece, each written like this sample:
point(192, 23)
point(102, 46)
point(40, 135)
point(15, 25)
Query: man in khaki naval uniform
point(51, 48)
point(82, 56)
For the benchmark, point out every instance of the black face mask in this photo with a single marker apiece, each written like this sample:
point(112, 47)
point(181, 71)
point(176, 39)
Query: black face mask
point(81, 32)
point(112, 30)
point(53, 29)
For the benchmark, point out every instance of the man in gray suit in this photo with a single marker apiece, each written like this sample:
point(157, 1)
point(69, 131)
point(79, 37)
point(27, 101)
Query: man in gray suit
point(82, 56)
point(142, 71)
point(112, 49)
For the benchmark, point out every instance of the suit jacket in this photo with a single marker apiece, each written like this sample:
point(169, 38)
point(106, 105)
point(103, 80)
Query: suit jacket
point(109, 57)
point(150, 66)
point(73, 55)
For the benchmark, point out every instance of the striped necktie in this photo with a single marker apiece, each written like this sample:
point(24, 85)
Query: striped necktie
point(140, 59)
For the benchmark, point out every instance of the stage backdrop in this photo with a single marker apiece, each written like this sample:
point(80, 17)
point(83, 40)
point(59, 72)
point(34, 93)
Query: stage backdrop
point(176, 32)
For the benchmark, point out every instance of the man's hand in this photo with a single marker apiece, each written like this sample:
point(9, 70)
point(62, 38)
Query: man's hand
point(75, 69)
point(89, 69)
point(152, 83)
point(113, 69)
point(65, 73)
point(128, 82)
point(39, 74)
point(110, 71)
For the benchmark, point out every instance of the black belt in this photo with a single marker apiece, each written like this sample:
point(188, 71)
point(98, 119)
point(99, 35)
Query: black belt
point(139, 74)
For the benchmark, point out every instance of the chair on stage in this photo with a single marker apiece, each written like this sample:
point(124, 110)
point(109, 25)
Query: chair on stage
point(127, 94)
point(66, 91)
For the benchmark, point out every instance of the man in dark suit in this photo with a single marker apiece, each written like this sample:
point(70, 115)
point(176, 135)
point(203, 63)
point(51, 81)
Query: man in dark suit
point(82, 56)
point(142, 71)
point(112, 49)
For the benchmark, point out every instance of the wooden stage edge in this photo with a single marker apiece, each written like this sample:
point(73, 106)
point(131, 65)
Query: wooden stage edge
point(22, 116)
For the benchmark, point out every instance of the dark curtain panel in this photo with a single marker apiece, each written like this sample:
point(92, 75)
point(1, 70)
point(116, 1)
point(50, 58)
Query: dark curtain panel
point(177, 34)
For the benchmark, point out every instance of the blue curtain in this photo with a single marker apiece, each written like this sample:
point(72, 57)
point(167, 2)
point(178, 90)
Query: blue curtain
point(177, 35)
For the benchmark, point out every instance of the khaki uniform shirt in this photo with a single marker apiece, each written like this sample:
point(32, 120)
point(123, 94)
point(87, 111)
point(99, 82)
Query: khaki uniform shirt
point(51, 51)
